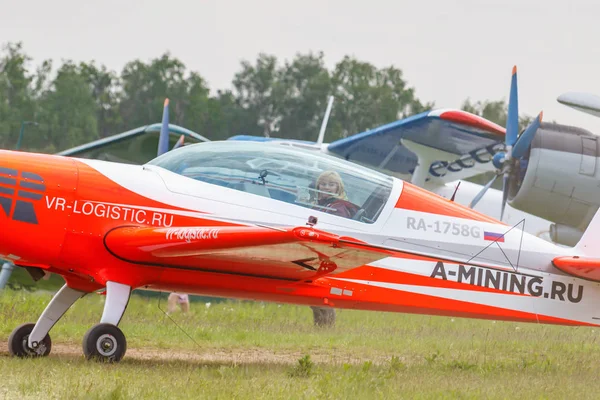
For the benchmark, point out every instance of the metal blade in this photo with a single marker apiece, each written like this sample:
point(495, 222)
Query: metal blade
point(504, 193)
point(163, 139)
point(512, 119)
point(526, 138)
point(179, 142)
point(482, 192)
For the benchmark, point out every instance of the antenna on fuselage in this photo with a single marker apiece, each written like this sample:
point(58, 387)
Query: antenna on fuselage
point(455, 190)
point(324, 123)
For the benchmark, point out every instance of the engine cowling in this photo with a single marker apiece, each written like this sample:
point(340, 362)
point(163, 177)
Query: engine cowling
point(564, 234)
point(559, 179)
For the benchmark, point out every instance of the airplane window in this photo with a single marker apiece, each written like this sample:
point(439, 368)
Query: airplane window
point(306, 178)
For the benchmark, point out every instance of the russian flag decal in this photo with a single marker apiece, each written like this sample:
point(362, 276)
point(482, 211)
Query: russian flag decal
point(493, 236)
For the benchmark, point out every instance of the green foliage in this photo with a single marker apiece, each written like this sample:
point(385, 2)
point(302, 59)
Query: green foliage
point(81, 102)
point(16, 94)
point(495, 111)
point(78, 103)
point(67, 111)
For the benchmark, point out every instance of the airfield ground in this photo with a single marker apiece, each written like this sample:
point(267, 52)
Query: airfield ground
point(263, 350)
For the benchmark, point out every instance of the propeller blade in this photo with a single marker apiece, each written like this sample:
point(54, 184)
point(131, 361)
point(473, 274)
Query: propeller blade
point(482, 192)
point(504, 193)
point(512, 119)
point(526, 137)
point(163, 139)
point(179, 142)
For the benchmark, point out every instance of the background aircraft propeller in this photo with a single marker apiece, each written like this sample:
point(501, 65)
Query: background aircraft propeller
point(179, 142)
point(515, 147)
point(163, 139)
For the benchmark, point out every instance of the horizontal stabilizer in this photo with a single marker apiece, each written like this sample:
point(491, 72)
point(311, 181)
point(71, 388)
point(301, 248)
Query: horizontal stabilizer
point(582, 267)
point(296, 253)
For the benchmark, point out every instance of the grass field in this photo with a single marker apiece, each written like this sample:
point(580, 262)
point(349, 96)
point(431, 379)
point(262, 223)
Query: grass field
point(255, 350)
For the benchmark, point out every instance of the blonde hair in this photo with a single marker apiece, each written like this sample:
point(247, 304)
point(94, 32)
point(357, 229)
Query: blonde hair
point(333, 177)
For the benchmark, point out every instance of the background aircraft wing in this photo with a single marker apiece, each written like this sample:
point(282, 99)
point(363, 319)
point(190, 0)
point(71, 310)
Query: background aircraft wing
point(136, 146)
point(295, 254)
point(458, 143)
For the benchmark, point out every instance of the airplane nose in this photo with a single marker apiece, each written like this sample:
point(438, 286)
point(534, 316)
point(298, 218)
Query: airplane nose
point(17, 193)
point(32, 231)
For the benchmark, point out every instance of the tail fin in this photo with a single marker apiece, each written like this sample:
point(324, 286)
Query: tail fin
point(589, 244)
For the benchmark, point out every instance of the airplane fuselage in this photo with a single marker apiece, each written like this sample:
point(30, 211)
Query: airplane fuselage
point(438, 257)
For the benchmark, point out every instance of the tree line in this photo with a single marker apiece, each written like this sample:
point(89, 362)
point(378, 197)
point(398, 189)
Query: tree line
point(82, 101)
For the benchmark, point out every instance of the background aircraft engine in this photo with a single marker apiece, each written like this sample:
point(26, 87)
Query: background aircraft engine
point(559, 180)
point(564, 234)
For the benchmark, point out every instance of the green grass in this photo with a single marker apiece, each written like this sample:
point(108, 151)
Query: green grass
point(265, 350)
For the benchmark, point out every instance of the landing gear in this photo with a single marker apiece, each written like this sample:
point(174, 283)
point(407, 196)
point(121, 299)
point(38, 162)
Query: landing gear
point(104, 342)
point(29, 340)
point(18, 343)
point(323, 317)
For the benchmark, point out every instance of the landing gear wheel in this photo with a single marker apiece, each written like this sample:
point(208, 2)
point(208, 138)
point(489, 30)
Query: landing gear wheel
point(17, 343)
point(104, 342)
point(323, 317)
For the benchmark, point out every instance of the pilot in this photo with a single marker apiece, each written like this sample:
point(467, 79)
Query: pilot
point(331, 195)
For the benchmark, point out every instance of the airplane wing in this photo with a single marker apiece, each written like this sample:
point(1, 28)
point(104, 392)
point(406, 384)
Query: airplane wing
point(585, 102)
point(295, 254)
point(136, 146)
point(582, 267)
point(458, 144)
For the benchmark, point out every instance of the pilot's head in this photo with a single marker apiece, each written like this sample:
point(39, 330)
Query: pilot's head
point(329, 184)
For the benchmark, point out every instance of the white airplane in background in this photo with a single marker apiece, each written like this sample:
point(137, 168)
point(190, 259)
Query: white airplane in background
point(438, 149)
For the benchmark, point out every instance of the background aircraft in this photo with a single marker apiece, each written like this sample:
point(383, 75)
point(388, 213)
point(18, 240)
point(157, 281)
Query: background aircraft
point(136, 146)
point(584, 102)
point(552, 181)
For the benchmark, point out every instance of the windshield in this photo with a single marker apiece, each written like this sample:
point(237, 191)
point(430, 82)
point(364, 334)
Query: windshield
point(306, 178)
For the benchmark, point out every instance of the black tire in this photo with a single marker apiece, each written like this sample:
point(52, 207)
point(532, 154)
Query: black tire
point(18, 347)
point(104, 342)
point(323, 317)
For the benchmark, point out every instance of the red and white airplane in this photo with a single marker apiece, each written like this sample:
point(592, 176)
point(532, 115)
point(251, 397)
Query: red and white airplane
point(259, 221)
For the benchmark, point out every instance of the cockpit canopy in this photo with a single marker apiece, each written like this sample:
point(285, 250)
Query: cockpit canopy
point(283, 173)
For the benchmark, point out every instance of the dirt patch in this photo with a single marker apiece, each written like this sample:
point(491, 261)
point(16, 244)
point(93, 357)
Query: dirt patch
point(217, 355)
